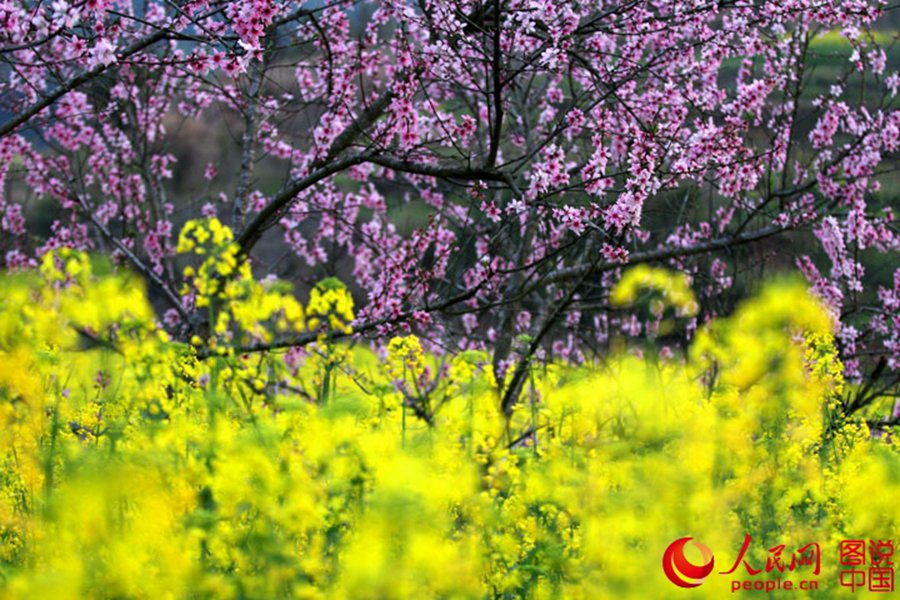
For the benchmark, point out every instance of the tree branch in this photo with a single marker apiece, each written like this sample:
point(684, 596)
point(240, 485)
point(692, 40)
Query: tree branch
point(319, 170)
point(405, 166)
point(77, 81)
point(141, 266)
point(721, 243)
point(248, 149)
point(268, 215)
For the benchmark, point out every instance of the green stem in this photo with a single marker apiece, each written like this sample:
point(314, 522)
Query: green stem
point(327, 386)
point(48, 463)
point(403, 412)
point(534, 438)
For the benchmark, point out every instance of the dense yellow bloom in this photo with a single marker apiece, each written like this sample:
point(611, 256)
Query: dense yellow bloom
point(674, 288)
point(197, 235)
point(131, 468)
point(240, 308)
point(405, 357)
point(330, 302)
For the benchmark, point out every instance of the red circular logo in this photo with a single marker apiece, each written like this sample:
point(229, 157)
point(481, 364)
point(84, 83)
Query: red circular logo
point(680, 570)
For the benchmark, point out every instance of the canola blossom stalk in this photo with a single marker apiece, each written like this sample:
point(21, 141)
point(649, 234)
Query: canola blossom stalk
point(135, 469)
